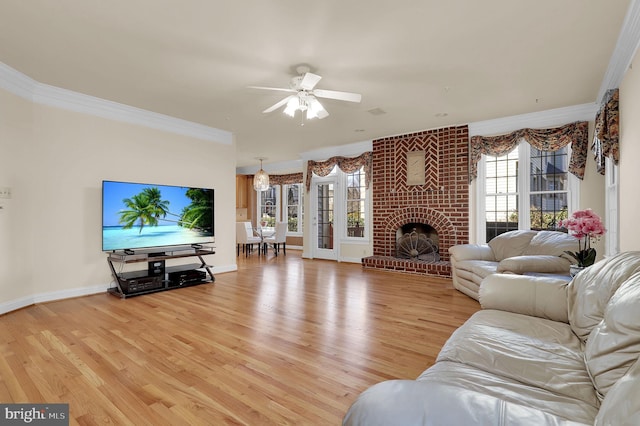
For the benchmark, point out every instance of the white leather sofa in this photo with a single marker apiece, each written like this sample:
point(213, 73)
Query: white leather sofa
point(516, 252)
point(540, 352)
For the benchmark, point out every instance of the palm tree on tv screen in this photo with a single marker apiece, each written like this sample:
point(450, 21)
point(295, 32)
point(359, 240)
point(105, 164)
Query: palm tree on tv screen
point(198, 214)
point(145, 208)
point(160, 206)
point(148, 208)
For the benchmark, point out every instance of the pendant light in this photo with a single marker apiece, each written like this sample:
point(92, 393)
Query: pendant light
point(261, 179)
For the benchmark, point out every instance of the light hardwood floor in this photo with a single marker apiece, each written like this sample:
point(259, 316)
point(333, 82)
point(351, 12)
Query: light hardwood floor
point(282, 341)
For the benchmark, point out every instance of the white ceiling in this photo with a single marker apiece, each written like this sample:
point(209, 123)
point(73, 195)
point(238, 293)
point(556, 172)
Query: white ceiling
point(425, 63)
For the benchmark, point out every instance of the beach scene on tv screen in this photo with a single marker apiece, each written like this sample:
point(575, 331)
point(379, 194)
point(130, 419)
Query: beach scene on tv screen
point(142, 215)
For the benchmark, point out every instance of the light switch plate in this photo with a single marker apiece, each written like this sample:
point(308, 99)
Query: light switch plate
point(5, 192)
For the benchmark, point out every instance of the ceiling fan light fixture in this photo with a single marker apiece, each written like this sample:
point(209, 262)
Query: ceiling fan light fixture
point(310, 114)
point(261, 179)
point(315, 109)
point(292, 106)
point(304, 95)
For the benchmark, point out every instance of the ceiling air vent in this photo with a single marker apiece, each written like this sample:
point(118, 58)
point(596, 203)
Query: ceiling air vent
point(377, 111)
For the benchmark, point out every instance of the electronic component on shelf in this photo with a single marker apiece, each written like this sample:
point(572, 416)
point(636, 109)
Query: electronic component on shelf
point(137, 285)
point(184, 278)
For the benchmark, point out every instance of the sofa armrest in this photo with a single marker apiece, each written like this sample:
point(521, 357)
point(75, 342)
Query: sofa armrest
point(535, 263)
point(471, 252)
point(543, 297)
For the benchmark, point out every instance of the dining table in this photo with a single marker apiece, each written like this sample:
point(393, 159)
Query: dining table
point(264, 232)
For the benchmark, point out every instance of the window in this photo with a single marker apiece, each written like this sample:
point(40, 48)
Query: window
point(282, 203)
point(356, 205)
point(293, 205)
point(501, 200)
point(536, 196)
point(268, 206)
point(549, 188)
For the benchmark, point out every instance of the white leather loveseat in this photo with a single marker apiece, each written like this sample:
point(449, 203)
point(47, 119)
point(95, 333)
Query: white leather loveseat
point(540, 352)
point(516, 252)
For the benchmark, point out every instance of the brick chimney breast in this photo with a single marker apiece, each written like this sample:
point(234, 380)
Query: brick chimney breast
point(442, 202)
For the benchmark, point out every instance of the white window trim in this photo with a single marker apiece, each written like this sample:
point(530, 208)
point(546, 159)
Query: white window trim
point(343, 235)
point(278, 202)
point(612, 203)
point(524, 217)
point(285, 209)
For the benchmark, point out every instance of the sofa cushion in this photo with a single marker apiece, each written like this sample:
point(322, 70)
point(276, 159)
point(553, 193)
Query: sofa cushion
point(512, 243)
point(622, 404)
point(551, 242)
point(534, 351)
point(543, 297)
point(441, 401)
point(471, 252)
point(476, 270)
point(589, 292)
point(614, 344)
point(534, 263)
point(533, 400)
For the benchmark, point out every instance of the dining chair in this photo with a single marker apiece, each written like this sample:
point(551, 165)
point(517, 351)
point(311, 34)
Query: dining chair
point(245, 238)
point(279, 237)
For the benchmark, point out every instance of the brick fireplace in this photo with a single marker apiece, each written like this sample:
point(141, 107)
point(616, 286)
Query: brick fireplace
point(441, 203)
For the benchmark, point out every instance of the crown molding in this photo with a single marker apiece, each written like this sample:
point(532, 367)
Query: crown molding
point(17, 83)
point(281, 167)
point(318, 154)
point(27, 88)
point(624, 51)
point(548, 118)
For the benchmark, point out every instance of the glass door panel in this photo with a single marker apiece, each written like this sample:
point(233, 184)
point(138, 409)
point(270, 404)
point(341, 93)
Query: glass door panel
point(324, 221)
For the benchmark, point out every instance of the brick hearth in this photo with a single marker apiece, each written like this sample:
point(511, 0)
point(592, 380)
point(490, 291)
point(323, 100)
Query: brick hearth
point(442, 202)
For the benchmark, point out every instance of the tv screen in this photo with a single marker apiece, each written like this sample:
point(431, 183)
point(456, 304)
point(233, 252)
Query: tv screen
point(142, 216)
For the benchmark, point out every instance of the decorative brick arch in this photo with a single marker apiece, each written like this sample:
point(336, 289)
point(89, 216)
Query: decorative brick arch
point(417, 214)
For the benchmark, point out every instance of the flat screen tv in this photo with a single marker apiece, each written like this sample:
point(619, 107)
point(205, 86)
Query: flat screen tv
point(138, 216)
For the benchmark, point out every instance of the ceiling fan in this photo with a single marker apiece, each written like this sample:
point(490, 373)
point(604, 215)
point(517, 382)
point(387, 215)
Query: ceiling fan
point(304, 97)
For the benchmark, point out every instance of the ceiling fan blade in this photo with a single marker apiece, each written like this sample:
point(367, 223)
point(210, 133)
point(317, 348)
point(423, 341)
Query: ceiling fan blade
point(280, 89)
point(278, 104)
point(341, 96)
point(322, 114)
point(309, 81)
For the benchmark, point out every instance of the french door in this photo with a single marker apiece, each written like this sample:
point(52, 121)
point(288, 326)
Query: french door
point(323, 223)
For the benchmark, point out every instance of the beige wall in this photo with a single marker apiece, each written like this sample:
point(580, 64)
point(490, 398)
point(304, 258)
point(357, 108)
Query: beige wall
point(55, 160)
point(16, 230)
point(629, 154)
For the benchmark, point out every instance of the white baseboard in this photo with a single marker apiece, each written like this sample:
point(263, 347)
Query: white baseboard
point(226, 268)
point(351, 259)
point(23, 302)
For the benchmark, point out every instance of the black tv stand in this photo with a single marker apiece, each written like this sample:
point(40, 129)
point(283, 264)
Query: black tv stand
point(144, 281)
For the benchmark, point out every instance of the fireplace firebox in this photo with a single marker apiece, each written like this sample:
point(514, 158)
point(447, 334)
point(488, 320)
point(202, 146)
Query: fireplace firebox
point(417, 241)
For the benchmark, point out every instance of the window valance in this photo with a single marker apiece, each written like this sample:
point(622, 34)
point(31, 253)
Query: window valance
point(347, 165)
point(553, 139)
point(288, 179)
point(606, 133)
